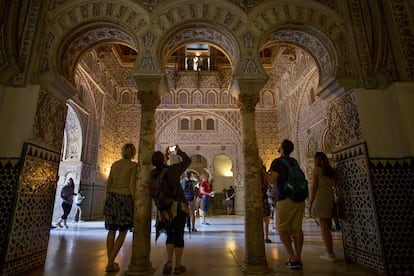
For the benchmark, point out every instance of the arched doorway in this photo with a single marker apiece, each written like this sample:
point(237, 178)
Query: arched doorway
point(71, 165)
point(223, 180)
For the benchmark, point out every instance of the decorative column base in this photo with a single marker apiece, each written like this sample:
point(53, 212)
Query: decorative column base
point(140, 270)
point(255, 269)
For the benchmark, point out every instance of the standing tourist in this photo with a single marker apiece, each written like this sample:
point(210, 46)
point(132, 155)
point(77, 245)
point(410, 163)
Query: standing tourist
point(119, 203)
point(321, 200)
point(206, 193)
point(289, 213)
point(67, 193)
point(175, 231)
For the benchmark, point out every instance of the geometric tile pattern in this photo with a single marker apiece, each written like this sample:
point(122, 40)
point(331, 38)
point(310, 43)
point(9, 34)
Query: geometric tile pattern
point(393, 183)
point(9, 176)
point(31, 216)
point(360, 227)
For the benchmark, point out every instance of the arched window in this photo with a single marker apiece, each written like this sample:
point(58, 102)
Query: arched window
point(211, 98)
point(183, 98)
point(197, 124)
point(126, 98)
point(167, 98)
point(210, 124)
point(185, 124)
point(197, 98)
point(225, 98)
point(267, 98)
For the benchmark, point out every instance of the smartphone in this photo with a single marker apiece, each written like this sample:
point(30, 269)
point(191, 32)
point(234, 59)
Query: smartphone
point(172, 148)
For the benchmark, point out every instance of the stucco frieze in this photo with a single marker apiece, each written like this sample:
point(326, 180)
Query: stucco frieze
point(4, 63)
point(343, 120)
point(27, 39)
point(73, 133)
point(49, 121)
point(401, 11)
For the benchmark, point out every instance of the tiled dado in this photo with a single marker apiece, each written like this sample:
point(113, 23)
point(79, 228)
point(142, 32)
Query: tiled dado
point(9, 176)
point(376, 200)
point(31, 183)
point(393, 184)
point(360, 229)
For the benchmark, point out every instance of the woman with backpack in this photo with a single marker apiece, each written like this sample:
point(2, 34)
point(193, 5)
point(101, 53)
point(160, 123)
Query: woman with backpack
point(175, 232)
point(190, 193)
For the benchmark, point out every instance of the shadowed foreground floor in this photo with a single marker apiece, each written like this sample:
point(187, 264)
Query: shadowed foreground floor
point(216, 249)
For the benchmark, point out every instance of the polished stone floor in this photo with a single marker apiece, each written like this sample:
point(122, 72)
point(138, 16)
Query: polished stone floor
point(216, 249)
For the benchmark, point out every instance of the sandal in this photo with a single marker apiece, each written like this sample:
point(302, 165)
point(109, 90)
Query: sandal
point(179, 270)
point(167, 268)
point(114, 268)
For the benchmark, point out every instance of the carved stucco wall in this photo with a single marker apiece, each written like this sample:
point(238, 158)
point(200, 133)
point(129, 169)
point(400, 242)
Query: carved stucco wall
point(287, 87)
point(365, 51)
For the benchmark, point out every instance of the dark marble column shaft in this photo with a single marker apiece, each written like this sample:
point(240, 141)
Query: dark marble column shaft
point(149, 98)
point(255, 259)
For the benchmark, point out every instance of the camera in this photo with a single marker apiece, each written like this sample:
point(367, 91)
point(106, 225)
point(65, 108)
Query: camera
point(172, 148)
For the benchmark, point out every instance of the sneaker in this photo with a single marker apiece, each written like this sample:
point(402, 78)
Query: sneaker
point(327, 257)
point(268, 241)
point(194, 230)
point(297, 265)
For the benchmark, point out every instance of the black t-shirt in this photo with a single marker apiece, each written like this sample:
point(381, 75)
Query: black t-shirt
point(230, 192)
point(278, 166)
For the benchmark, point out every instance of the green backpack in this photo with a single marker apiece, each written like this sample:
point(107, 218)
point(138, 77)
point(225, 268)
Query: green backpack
point(296, 186)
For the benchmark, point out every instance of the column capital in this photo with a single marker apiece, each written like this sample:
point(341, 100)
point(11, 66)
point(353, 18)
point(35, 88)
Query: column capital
point(250, 84)
point(150, 87)
point(248, 102)
point(249, 88)
point(150, 82)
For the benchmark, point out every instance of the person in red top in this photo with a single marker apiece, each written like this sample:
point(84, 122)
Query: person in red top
point(206, 193)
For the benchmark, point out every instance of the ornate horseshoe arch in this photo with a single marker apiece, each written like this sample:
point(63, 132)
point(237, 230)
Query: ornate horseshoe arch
point(80, 42)
point(316, 43)
point(203, 33)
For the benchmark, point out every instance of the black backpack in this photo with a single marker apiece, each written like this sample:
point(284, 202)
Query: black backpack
point(189, 190)
point(296, 186)
point(158, 191)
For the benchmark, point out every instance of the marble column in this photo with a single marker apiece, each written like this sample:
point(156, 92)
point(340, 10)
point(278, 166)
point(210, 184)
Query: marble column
point(255, 258)
point(149, 98)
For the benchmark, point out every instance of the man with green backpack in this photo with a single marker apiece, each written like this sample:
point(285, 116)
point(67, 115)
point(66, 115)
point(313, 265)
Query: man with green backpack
point(291, 191)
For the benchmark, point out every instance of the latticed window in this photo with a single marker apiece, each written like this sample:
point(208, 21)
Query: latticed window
point(267, 98)
point(183, 98)
point(197, 124)
point(126, 98)
point(210, 124)
point(167, 98)
point(197, 98)
point(211, 98)
point(185, 124)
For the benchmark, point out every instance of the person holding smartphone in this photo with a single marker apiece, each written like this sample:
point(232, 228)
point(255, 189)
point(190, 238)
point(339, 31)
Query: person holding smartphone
point(175, 232)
